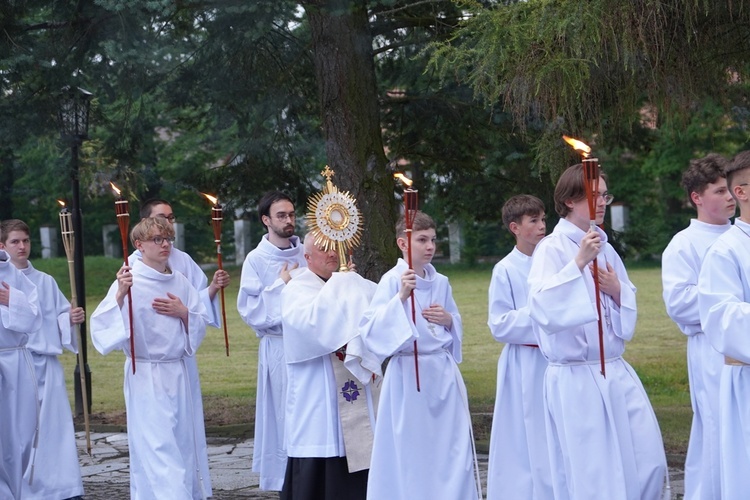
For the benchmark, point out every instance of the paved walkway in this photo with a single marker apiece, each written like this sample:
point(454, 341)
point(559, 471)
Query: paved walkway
point(106, 472)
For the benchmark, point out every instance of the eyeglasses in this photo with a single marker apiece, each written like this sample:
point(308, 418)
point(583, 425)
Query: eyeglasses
point(158, 240)
point(608, 198)
point(281, 216)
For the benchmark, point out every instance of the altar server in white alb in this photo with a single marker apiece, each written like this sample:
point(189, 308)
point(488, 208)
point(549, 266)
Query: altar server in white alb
point(57, 474)
point(184, 264)
point(265, 272)
point(706, 186)
point(603, 436)
point(330, 408)
point(519, 461)
point(724, 302)
point(424, 448)
point(19, 316)
point(169, 324)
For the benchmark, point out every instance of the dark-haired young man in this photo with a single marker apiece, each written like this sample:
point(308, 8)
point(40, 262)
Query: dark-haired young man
point(724, 303)
point(705, 184)
point(265, 273)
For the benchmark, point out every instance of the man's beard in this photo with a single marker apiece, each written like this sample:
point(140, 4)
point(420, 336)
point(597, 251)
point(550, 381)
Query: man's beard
point(286, 232)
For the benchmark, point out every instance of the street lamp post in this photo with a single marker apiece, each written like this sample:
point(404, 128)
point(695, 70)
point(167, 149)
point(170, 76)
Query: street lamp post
point(73, 116)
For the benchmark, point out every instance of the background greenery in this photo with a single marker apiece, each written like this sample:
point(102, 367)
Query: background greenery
point(658, 354)
point(224, 96)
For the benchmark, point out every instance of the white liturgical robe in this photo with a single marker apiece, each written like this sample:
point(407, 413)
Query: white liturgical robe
point(259, 305)
point(57, 473)
point(18, 411)
point(680, 266)
point(423, 440)
point(182, 263)
point(724, 303)
point(519, 461)
point(319, 318)
point(164, 437)
point(603, 436)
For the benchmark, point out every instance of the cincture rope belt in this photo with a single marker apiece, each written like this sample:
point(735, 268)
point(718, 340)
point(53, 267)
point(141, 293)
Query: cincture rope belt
point(734, 362)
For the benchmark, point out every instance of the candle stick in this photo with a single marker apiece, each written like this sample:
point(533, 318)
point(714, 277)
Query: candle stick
point(216, 218)
point(68, 238)
point(591, 186)
point(123, 221)
point(411, 203)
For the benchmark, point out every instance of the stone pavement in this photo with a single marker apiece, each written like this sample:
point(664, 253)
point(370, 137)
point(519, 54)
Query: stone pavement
point(106, 472)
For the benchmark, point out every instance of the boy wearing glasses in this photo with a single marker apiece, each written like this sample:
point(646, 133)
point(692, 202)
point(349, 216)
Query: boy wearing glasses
point(165, 431)
point(705, 184)
point(265, 273)
point(181, 262)
point(603, 437)
point(57, 473)
point(724, 304)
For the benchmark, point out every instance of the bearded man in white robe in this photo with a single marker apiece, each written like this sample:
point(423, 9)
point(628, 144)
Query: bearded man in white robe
point(265, 272)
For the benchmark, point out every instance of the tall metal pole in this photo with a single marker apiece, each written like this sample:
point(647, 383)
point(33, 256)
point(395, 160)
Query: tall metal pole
point(80, 280)
point(73, 116)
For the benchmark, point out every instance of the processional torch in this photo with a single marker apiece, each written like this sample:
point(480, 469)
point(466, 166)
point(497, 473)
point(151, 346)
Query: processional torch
point(217, 216)
point(411, 205)
point(69, 242)
point(591, 175)
point(123, 221)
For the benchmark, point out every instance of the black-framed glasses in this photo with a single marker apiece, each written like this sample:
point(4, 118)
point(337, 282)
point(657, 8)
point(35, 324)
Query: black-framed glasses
point(282, 216)
point(158, 240)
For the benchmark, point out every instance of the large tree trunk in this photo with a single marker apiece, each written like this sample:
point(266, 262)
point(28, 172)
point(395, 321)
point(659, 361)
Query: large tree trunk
point(345, 72)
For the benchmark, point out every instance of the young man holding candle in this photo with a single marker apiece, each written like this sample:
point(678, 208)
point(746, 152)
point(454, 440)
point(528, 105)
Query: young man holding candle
point(181, 262)
point(330, 403)
point(603, 437)
point(519, 461)
point(724, 305)
point(265, 273)
point(423, 446)
point(19, 316)
point(57, 474)
point(165, 431)
point(705, 184)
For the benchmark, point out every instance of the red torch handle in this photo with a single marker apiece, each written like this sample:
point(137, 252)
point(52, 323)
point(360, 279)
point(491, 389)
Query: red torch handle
point(591, 182)
point(216, 218)
point(123, 221)
point(410, 208)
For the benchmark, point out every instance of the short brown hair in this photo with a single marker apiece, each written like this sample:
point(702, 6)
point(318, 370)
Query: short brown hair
point(9, 225)
point(146, 228)
point(517, 206)
point(740, 162)
point(570, 187)
point(421, 222)
point(702, 172)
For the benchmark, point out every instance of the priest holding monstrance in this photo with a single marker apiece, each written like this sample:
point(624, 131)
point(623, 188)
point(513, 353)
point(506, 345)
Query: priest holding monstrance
point(332, 380)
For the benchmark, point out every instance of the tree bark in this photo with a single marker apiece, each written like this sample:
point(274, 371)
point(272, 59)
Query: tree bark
point(345, 73)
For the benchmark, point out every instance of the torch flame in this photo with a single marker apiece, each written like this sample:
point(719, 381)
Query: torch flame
point(407, 182)
point(212, 199)
point(582, 147)
point(115, 188)
point(62, 203)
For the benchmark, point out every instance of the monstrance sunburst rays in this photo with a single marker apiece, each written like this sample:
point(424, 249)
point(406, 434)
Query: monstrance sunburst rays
point(334, 220)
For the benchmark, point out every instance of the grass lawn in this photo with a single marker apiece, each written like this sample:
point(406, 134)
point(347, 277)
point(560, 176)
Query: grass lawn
point(657, 353)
